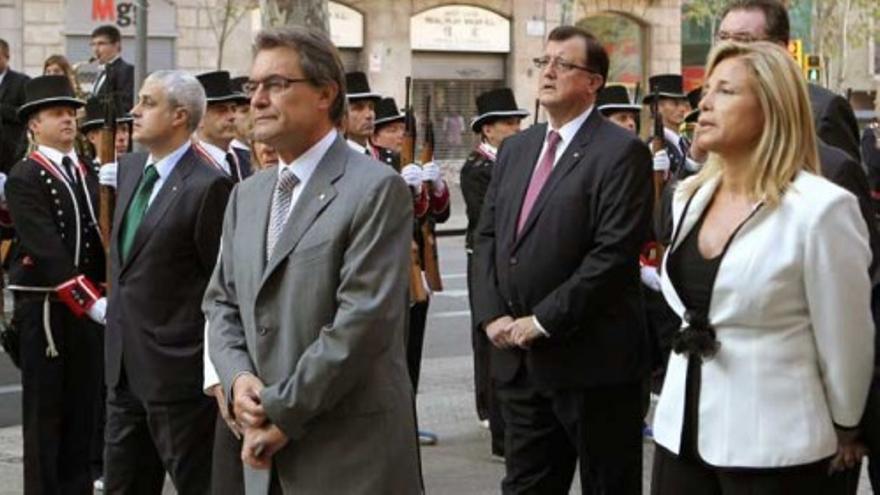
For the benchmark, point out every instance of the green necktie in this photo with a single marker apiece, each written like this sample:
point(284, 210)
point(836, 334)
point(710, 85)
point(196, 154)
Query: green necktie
point(136, 210)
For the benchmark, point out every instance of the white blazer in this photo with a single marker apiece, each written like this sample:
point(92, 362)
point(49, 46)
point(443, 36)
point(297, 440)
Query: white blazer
point(791, 309)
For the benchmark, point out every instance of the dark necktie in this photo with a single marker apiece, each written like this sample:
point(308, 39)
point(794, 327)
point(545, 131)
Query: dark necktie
point(233, 167)
point(69, 169)
point(137, 209)
point(539, 178)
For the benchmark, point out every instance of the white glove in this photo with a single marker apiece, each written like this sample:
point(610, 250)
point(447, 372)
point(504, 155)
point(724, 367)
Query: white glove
point(412, 175)
point(2, 186)
point(431, 173)
point(650, 277)
point(107, 174)
point(661, 161)
point(98, 311)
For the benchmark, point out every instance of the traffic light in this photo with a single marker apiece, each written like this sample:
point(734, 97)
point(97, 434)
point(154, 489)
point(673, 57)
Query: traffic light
point(813, 68)
point(796, 49)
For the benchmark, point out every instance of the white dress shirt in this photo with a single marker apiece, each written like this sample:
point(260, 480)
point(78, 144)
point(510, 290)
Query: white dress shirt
point(56, 157)
point(3, 76)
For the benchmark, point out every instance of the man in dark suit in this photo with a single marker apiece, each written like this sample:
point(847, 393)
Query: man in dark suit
point(166, 234)
point(117, 75)
point(767, 20)
point(217, 130)
point(11, 98)
point(557, 284)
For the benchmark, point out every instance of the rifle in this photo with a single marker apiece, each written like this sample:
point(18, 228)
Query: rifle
point(537, 110)
point(417, 293)
point(658, 142)
point(429, 242)
point(107, 154)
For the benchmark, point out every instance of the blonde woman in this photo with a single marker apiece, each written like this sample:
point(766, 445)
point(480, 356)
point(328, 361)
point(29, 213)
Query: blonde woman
point(768, 268)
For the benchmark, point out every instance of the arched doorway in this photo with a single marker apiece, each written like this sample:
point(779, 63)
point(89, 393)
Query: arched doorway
point(624, 40)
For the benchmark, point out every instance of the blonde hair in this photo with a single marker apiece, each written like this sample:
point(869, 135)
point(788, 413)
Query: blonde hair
point(788, 142)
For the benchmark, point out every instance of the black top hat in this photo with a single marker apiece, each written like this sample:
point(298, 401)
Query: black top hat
point(236, 85)
point(666, 86)
point(47, 91)
point(387, 112)
point(217, 86)
point(496, 104)
point(94, 116)
point(694, 96)
point(358, 88)
point(615, 98)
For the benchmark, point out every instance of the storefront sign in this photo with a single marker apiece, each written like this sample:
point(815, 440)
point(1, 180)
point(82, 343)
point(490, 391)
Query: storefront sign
point(83, 16)
point(346, 26)
point(460, 28)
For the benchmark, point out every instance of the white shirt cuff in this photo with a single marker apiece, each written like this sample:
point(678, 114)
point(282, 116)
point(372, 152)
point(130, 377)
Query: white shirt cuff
point(539, 327)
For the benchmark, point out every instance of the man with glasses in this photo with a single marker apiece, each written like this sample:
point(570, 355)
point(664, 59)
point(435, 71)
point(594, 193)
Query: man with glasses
point(166, 233)
point(307, 306)
point(117, 75)
point(767, 20)
point(557, 284)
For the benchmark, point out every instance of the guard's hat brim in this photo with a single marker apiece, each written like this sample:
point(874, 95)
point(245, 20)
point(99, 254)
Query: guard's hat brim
point(479, 120)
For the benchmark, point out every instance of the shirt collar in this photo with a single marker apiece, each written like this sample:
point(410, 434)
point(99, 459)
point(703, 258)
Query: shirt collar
point(304, 165)
point(114, 59)
point(237, 143)
point(217, 153)
point(166, 165)
point(56, 156)
point(567, 131)
point(671, 135)
point(357, 147)
point(3, 75)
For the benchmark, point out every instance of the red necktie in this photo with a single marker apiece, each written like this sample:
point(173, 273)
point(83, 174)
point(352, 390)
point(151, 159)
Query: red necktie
point(539, 178)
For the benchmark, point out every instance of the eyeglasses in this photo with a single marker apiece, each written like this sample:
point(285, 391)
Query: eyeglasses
point(561, 65)
point(739, 37)
point(275, 85)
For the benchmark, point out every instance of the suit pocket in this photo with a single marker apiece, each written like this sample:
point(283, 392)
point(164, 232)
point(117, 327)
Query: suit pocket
point(179, 333)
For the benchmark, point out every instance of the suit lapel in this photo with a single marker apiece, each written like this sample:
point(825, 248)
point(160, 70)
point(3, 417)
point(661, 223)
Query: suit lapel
point(254, 227)
point(317, 194)
point(574, 154)
point(167, 195)
point(521, 176)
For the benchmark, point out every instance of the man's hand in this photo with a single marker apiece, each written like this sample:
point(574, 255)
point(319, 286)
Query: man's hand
point(260, 444)
point(498, 331)
point(850, 451)
point(523, 331)
point(98, 311)
point(217, 392)
point(412, 175)
point(249, 412)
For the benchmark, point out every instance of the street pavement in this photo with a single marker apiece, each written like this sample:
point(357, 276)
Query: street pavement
point(459, 465)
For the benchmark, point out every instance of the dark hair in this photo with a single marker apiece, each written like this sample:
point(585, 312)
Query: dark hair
point(596, 56)
point(318, 59)
point(4, 47)
point(109, 31)
point(776, 26)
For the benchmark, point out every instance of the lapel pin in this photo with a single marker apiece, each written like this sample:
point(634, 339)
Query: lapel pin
point(576, 154)
point(321, 197)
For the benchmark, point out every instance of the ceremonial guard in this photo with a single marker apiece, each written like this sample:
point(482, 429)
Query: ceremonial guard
point(91, 129)
point(217, 129)
point(671, 106)
point(243, 123)
point(613, 102)
point(388, 130)
point(56, 272)
point(497, 118)
point(361, 116)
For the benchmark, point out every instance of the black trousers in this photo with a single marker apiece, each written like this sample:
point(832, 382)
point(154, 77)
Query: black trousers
point(227, 471)
point(59, 397)
point(415, 340)
point(676, 475)
point(548, 432)
point(144, 440)
point(488, 406)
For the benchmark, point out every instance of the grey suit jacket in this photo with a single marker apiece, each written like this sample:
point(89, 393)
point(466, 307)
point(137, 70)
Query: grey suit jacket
point(322, 324)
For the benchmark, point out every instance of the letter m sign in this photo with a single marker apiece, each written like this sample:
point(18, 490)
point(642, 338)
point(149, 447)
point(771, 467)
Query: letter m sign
point(103, 10)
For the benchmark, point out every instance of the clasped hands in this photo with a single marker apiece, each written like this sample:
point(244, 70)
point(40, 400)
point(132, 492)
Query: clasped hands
point(261, 438)
point(505, 332)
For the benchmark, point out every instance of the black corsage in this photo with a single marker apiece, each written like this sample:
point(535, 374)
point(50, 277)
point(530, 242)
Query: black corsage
point(697, 338)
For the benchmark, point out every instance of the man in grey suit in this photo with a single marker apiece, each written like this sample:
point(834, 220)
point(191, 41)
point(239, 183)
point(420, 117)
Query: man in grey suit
point(307, 305)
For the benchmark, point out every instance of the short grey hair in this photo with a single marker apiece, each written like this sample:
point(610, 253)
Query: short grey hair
point(318, 59)
point(182, 90)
